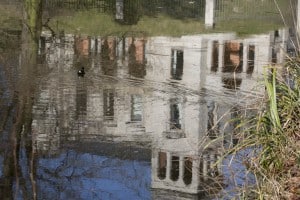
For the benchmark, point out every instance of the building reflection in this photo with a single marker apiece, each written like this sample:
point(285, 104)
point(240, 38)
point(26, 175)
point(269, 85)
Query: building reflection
point(175, 109)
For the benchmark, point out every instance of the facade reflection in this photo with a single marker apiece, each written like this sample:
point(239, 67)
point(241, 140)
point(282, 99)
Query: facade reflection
point(177, 108)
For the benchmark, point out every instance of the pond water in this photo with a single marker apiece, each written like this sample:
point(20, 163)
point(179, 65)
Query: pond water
point(151, 117)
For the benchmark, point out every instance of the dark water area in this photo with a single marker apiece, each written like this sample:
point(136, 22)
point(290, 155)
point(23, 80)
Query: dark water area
point(150, 118)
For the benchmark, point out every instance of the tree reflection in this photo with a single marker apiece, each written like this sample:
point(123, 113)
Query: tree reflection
point(19, 156)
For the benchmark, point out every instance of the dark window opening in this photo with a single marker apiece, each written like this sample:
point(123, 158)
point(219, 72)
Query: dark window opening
point(162, 165)
point(175, 122)
point(108, 104)
point(177, 64)
point(251, 57)
point(215, 57)
point(81, 100)
point(175, 168)
point(188, 171)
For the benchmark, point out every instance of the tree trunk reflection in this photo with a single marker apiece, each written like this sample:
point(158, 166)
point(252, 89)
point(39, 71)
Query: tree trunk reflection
point(19, 157)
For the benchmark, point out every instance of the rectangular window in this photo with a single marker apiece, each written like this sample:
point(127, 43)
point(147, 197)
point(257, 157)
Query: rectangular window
point(175, 118)
point(162, 165)
point(212, 128)
point(215, 57)
point(136, 107)
point(251, 57)
point(177, 64)
point(175, 168)
point(188, 170)
point(108, 104)
point(233, 57)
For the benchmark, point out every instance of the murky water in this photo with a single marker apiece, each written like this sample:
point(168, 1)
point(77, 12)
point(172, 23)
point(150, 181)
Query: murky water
point(150, 117)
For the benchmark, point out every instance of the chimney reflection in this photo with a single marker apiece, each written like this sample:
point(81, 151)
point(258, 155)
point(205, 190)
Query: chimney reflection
point(82, 46)
point(136, 63)
point(108, 56)
point(233, 57)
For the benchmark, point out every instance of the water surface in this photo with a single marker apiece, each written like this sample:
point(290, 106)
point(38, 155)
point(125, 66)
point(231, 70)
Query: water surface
point(151, 118)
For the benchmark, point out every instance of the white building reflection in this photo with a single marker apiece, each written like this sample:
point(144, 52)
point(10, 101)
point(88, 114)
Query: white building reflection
point(169, 93)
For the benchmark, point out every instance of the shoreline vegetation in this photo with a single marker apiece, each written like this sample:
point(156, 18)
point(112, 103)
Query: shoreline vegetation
point(273, 134)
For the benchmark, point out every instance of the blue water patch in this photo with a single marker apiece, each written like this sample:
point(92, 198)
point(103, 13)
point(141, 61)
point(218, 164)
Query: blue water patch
point(74, 175)
point(236, 174)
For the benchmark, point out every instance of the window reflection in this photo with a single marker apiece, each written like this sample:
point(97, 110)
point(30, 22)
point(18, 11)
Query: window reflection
point(127, 11)
point(215, 57)
point(251, 56)
point(108, 56)
point(108, 104)
point(136, 107)
point(175, 110)
point(233, 57)
point(162, 163)
point(231, 83)
point(175, 168)
point(82, 45)
point(81, 100)
point(136, 53)
point(211, 125)
point(188, 173)
point(120, 10)
point(177, 64)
